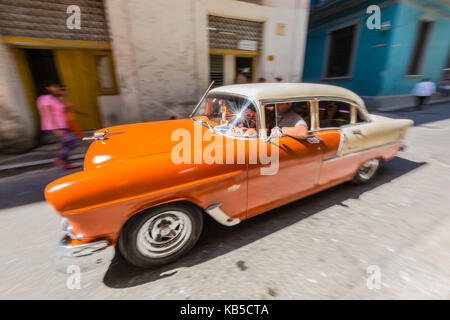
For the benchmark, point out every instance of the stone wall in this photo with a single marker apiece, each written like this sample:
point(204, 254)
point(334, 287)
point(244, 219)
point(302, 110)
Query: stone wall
point(47, 19)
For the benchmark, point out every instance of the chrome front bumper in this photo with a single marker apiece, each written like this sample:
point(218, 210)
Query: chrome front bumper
point(86, 256)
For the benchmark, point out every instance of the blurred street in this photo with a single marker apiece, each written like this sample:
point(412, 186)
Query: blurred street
point(316, 248)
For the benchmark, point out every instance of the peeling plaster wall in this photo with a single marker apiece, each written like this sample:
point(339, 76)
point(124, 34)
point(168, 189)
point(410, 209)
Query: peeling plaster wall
point(161, 49)
point(17, 128)
point(157, 56)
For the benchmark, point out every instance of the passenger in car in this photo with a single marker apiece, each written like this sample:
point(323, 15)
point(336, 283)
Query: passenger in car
point(333, 115)
point(302, 109)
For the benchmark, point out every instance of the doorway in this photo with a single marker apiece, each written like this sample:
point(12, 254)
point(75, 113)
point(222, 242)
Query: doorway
point(244, 67)
point(42, 68)
point(76, 68)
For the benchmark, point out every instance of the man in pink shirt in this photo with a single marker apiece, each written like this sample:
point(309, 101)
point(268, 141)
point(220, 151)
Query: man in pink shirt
point(53, 119)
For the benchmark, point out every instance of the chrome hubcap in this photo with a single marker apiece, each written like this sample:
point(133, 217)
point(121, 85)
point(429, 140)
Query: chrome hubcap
point(367, 170)
point(164, 234)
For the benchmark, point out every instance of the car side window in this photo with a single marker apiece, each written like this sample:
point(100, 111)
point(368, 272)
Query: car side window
point(301, 108)
point(333, 114)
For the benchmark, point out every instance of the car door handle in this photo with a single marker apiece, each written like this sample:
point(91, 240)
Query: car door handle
point(313, 139)
point(357, 131)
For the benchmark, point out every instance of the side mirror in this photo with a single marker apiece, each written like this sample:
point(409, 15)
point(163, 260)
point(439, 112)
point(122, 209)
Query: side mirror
point(274, 133)
point(313, 139)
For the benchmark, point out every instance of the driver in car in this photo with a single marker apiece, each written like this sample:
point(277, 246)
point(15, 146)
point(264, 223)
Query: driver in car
point(247, 125)
point(290, 122)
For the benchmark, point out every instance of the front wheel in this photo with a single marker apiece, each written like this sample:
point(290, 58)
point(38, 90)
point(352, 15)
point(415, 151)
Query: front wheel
point(161, 235)
point(367, 171)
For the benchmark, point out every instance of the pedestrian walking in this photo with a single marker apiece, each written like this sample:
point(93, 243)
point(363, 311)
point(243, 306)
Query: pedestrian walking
point(70, 111)
point(53, 119)
point(422, 91)
point(241, 77)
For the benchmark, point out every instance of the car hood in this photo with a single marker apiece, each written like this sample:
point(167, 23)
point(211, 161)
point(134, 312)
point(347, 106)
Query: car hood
point(136, 140)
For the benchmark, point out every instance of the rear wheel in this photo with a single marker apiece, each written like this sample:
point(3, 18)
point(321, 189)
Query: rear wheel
point(161, 235)
point(367, 171)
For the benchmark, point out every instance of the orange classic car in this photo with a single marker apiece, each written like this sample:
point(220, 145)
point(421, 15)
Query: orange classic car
point(244, 150)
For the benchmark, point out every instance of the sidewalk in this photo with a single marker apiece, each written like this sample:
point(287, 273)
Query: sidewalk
point(40, 156)
point(435, 101)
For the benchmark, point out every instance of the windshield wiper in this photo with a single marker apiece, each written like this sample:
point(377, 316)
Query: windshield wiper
point(211, 128)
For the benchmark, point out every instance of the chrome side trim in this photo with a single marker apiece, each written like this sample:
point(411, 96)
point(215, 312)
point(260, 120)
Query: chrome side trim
point(86, 256)
point(341, 143)
point(361, 151)
point(349, 125)
point(220, 216)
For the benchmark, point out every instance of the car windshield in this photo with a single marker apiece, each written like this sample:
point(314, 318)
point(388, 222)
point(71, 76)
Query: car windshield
point(228, 114)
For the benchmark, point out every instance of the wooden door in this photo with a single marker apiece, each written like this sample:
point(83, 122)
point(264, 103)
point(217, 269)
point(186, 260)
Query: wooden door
point(77, 70)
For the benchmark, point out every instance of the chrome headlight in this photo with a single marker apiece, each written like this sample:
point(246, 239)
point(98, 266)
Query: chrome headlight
point(64, 224)
point(67, 227)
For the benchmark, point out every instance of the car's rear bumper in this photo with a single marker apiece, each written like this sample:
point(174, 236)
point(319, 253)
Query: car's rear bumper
point(85, 256)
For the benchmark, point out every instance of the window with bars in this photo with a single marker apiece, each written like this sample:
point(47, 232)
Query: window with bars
point(216, 69)
point(230, 34)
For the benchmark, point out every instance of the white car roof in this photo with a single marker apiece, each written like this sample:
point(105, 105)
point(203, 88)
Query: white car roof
point(277, 90)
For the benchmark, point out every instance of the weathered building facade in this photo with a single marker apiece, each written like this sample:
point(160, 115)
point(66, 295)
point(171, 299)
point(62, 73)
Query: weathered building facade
point(139, 60)
point(40, 44)
point(168, 51)
point(381, 64)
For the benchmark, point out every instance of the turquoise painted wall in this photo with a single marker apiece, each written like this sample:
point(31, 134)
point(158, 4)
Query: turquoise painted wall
point(404, 34)
point(382, 57)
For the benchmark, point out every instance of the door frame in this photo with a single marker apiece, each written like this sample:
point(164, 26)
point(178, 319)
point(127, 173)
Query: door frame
point(254, 55)
point(17, 44)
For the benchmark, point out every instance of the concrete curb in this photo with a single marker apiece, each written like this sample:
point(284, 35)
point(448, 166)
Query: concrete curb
point(409, 106)
point(35, 163)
